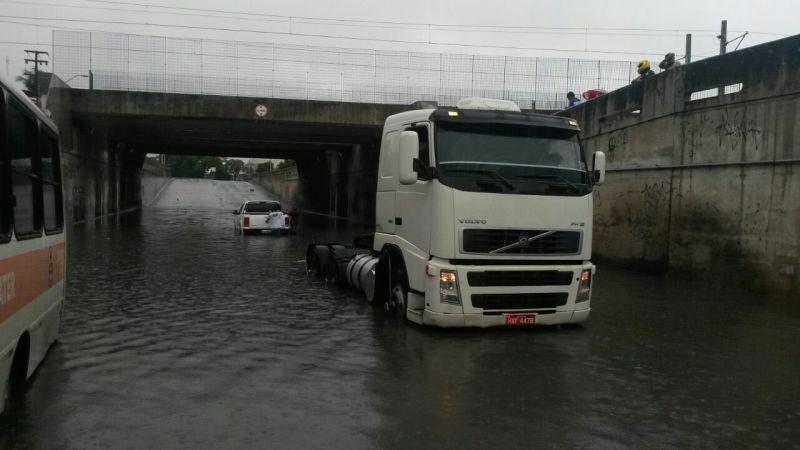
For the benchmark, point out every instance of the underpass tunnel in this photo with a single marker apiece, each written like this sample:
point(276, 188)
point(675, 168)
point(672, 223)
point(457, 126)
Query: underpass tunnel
point(334, 171)
point(336, 179)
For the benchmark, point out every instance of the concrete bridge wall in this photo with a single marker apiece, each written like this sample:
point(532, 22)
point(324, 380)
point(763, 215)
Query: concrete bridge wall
point(709, 185)
point(284, 183)
point(101, 175)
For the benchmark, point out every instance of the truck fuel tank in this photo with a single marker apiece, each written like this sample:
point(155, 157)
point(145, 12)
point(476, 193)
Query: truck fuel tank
point(361, 274)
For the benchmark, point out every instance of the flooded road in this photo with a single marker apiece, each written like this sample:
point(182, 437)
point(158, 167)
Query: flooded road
point(179, 333)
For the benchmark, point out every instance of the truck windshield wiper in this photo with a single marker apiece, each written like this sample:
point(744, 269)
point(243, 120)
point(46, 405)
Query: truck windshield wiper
point(503, 180)
point(566, 182)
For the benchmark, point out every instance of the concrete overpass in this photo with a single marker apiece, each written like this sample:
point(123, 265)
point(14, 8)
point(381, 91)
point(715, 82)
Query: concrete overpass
point(335, 144)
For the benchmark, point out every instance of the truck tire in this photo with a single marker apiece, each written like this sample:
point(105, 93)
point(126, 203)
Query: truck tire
point(317, 259)
point(397, 303)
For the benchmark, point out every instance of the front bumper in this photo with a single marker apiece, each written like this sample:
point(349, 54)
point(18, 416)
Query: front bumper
point(441, 314)
point(445, 320)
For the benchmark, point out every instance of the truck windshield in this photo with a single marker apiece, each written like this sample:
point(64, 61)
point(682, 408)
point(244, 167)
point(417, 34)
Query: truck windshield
point(515, 159)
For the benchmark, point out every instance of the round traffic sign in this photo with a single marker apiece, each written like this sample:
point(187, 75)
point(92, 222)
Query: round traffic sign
point(261, 110)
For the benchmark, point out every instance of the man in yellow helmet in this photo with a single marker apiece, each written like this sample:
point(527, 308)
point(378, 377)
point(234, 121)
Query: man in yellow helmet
point(644, 71)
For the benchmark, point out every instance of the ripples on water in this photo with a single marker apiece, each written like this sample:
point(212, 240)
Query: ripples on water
point(180, 333)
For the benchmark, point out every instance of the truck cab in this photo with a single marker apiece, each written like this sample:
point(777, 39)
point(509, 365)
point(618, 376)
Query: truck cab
point(484, 214)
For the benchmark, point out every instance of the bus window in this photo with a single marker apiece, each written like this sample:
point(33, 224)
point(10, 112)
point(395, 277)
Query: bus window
point(21, 142)
point(5, 177)
point(51, 183)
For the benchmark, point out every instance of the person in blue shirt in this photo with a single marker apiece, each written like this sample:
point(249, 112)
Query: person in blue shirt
point(573, 100)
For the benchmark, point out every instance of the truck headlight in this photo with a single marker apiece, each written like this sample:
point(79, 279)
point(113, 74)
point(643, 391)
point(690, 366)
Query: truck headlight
point(448, 287)
point(584, 287)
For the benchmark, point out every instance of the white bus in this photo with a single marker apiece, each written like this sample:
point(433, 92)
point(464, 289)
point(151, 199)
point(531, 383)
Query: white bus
point(32, 238)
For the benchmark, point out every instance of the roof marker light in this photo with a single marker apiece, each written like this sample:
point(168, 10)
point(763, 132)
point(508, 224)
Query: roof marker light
point(452, 113)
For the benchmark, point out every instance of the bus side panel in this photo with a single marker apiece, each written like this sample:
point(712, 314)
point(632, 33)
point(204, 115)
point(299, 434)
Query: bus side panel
point(44, 330)
point(33, 293)
point(6, 359)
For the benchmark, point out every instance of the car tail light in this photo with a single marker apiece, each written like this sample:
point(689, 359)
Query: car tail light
point(246, 221)
point(287, 221)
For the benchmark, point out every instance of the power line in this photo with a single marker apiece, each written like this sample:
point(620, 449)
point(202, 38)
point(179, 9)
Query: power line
point(327, 36)
point(421, 24)
point(379, 25)
point(136, 11)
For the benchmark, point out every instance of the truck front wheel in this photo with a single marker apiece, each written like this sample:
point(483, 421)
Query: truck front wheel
point(398, 299)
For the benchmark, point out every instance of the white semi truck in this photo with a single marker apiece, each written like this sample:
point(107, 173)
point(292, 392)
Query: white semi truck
point(483, 218)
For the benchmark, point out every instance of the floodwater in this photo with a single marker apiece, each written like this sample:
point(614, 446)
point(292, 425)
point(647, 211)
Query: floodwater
point(179, 333)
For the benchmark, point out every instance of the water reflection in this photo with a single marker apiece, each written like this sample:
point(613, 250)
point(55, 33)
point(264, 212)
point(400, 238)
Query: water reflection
point(181, 333)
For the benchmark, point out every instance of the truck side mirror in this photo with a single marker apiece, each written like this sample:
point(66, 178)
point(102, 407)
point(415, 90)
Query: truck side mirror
point(409, 151)
point(599, 167)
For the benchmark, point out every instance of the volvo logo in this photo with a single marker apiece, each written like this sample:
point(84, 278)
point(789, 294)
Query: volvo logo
point(472, 221)
point(523, 241)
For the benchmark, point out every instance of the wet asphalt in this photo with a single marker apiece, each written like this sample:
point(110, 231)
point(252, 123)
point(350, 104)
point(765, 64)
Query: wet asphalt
point(179, 333)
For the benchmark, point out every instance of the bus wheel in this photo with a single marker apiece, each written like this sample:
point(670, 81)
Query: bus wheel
point(15, 384)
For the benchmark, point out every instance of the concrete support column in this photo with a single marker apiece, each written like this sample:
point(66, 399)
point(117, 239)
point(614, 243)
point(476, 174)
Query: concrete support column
point(333, 158)
point(355, 183)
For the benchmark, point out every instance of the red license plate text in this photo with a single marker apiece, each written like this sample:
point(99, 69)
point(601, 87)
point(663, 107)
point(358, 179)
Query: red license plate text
point(521, 319)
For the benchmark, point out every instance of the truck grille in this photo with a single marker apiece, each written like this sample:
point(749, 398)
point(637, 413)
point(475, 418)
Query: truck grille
point(556, 243)
point(520, 301)
point(520, 278)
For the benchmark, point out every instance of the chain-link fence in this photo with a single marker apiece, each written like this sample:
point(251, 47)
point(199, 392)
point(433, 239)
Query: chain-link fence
point(201, 66)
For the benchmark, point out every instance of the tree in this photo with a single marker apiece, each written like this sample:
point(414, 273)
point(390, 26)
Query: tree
point(190, 166)
point(286, 163)
point(28, 79)
point(233, 167)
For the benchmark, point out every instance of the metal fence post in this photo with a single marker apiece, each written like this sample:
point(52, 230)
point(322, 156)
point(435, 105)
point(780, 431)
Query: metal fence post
point(472, 82)
point(272, 90)
point(236, 61)
point(598, 75)
point(128, 70)
point(535, 79)
point(201, 67)
point(164, 83)
point(568, 61)
point(505, 60)
point(90, 51)
point(440, 95)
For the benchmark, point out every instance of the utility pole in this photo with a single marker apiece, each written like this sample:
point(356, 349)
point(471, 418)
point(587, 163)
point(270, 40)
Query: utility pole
point(723, 44)
point(688, 55)
point(36, 61)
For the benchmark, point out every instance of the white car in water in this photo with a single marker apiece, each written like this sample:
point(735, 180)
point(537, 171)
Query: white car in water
point(261, 216)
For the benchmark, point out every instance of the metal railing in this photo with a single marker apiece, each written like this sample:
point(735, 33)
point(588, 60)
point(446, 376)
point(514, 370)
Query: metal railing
point(200, 66)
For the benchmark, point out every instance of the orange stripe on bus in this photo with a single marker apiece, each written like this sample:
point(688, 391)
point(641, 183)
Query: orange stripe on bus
point(25, 277)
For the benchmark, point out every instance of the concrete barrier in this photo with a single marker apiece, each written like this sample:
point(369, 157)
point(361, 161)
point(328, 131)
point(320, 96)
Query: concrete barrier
point(702, 181)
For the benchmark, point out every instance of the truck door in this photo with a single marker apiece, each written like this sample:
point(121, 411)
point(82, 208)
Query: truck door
point(412, 221)
point(387, 184)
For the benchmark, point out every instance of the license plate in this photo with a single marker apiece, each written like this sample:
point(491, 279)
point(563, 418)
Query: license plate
point(521, 319)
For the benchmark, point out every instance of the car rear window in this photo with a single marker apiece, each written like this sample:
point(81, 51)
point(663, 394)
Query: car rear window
point(261, 207)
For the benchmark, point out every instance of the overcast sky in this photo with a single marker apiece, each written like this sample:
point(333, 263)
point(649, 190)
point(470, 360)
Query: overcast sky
point(608, 29)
